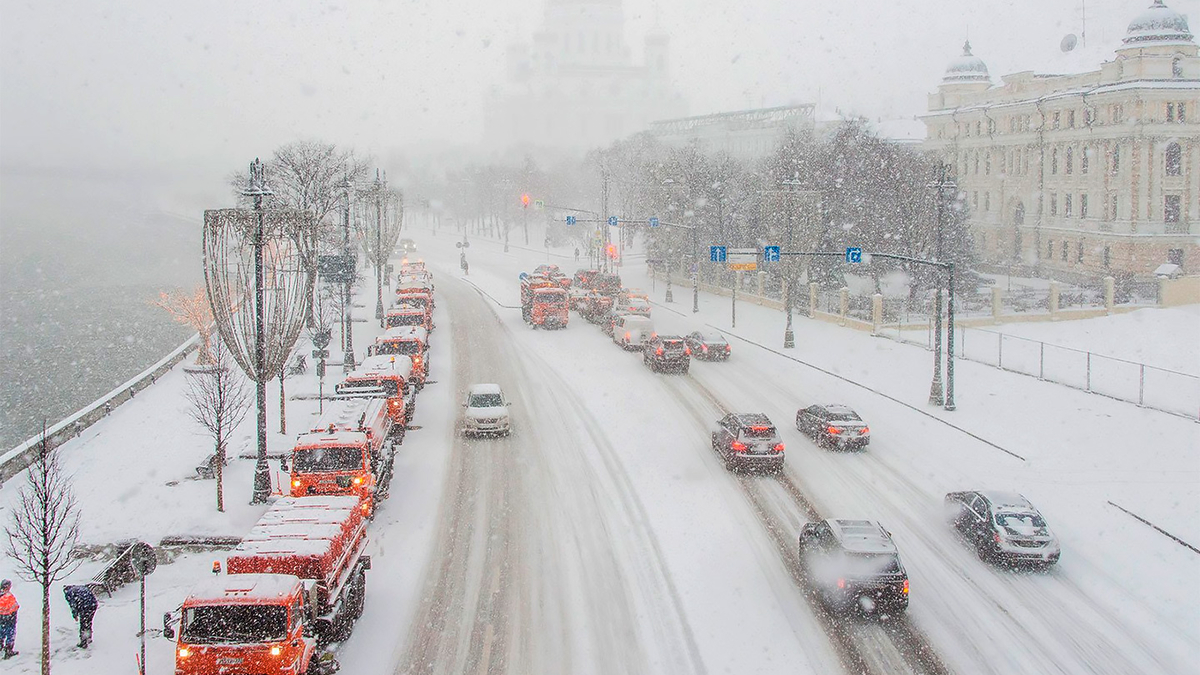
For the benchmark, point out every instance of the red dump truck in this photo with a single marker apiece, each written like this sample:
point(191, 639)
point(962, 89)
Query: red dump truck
point(294, 584)
point(349, 452)
point(543, 301)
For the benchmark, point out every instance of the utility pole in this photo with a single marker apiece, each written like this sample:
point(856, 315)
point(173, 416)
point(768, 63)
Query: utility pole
point(603, 252)
point(347, 299)
point(380, 256)
point(262, 473)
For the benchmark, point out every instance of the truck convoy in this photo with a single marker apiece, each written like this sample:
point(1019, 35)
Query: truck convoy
point(410, 341)
point(349, 452)
point(544, 301)
point(294, 584)
point(385, 376)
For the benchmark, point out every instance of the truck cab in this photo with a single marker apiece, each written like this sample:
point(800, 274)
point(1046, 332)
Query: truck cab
point(409, 314)
point(247, 623)
point(410, 341)
point(387, 377)
point(548, 307)
point(348, 454)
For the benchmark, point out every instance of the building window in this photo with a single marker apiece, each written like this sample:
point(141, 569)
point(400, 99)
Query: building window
point(1117, 112)
point(1177, 67)
point(1114, 160)
point(991, 126)
point(977, 164)
point(1112, 207)
point(1174, 159)
point(1054, 124)
point(1083, 159)
point(1054, 161)
point(1063, 257)
point(1070, 159)
point(1107, 256)
point(1070, 119)
point(1050, 249)
point(978, 128)
point(1180, 114)
point(987, 164)
point(975, 200)
point(1068, 205)
point(1079, 252)
point(1171, 208)
point(1175, 256)
point(987, 201)
point(1083, 206)
point(1089, 116)
point(1053, 204)
point(1170, 112)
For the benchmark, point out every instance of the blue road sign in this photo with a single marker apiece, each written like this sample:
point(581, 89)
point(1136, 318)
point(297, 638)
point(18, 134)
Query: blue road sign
point(853, 254)
point(570, 220)
point(716, 253)
point(770, 254)
point(523, 276)
point(612, 221)
point(653, 222)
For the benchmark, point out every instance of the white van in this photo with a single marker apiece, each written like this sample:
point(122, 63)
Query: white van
point(632, 331)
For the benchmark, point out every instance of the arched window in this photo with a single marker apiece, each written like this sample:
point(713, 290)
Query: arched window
point(1177, 67)
point(1174, 159)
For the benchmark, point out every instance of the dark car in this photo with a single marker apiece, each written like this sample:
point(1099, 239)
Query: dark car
point(1003, 527)
point(854, 563)
point(708, 346)
point(667, 352)
point(583, 278)
point(833, 425)
point(748, 441)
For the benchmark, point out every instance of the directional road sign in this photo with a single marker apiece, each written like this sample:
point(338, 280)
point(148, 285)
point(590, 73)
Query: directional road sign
point(653, 222)
point(539, 204)
point(612, 221)
point(523, 276)
point(570, 220)
point(716, 253)
point(853, 254)
point(770, 254)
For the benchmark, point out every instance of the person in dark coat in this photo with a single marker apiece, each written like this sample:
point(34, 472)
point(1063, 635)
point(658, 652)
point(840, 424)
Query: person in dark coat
point(83, 607)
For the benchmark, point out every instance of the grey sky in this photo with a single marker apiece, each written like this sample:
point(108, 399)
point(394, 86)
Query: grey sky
point(208, 84)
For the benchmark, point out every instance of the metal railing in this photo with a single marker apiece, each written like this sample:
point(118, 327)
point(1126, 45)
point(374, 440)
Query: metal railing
point(1153, 387)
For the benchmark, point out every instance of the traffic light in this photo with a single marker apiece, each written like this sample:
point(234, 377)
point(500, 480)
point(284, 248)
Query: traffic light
point(525, 200)
point(612, 251)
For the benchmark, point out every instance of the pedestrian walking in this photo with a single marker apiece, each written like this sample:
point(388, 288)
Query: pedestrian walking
point(83, 605)
point(462, 261)
point(8, 619)
point(576, 254)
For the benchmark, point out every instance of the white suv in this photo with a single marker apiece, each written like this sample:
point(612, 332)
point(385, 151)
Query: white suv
point(632, 331)
point(486, 411)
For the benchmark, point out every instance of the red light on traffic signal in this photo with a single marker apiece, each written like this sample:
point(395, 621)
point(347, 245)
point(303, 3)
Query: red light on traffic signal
point(525, 199)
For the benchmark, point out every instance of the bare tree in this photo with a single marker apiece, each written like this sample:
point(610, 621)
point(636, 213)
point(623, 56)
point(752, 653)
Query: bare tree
point(43, 530)
point(192, 310)
point(220, 400)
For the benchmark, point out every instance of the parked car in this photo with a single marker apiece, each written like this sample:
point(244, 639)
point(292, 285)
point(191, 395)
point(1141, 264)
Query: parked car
point(748, 441)
point(708, 346)
point(667, 352)
point(1003, 527)
point(486, 411)
point(854, 563)
point(833, 425)
point(632, 331)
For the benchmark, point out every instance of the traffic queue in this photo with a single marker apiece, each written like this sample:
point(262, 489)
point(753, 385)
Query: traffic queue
point(297, 581)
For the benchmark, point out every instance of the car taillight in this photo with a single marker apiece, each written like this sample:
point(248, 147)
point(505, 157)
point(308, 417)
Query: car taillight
point(834, 430)
point(628, 335)
point(996, 536)
point(728, 348)
point(687, 350)
point(904, 588)
point(841, 583)
point(658, 352)
point(653, 335)
point(865, 430)
point(738, 447)
point(779, 447)
point(704, 347)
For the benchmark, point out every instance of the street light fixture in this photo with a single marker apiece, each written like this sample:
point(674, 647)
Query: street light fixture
point(258, 189)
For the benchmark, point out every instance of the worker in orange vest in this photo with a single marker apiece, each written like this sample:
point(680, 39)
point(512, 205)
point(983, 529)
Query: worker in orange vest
point(8, 619)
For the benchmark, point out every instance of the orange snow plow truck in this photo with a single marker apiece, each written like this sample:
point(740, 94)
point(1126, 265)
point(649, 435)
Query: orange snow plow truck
point(350, 452)
point(296, 583)
point(388, 377)
point(543, 301)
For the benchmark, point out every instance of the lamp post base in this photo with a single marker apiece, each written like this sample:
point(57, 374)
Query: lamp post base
point(669, 297)
point(936, 397)
point(262, 482)
point(789, 339)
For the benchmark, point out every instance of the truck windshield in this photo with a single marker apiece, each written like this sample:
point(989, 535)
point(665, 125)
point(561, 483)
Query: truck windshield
point(388, 386)
point(407, 348)
point(328, 459)
point(233, 623)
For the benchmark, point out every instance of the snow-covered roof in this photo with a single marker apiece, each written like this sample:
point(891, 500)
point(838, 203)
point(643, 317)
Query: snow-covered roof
point(323, 503)
point(374, 366)
point(1002, 500)
point(243, 589)
point(486, 388)
point(288, 529)
point(966, 68)
point(337, 438)
point(404, 332)
point(1158, 25)
point(865, 536)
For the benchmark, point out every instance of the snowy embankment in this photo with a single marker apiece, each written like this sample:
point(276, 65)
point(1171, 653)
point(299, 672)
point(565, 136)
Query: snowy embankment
point(134, 477)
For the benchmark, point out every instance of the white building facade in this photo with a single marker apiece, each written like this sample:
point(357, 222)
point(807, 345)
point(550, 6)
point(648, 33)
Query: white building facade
point(1083, 175)
point(575, 86)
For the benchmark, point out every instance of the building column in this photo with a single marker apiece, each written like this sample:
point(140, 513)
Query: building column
point(1109, 286)
point(1055, 289)
point(876, 313)
point(843, 304)
point(997, 303)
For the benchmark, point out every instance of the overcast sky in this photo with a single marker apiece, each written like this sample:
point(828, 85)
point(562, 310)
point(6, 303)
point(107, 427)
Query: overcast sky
point(152, 84)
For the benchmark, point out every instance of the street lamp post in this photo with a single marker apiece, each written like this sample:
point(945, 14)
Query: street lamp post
point(380, 256)
point(262, 473)
point(347, 299)
point(936, 393)
point(669, 297)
